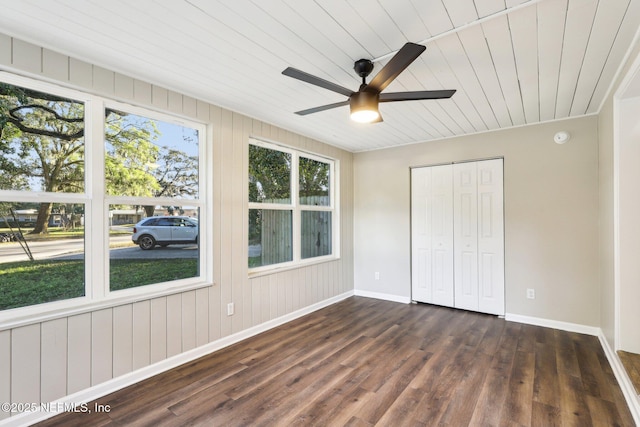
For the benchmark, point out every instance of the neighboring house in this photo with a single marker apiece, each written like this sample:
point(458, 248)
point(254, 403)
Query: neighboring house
point(125, 216)
point(29, 216)
point(22, 215)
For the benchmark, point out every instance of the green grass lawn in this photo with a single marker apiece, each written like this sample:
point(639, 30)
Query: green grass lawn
point(35, 282)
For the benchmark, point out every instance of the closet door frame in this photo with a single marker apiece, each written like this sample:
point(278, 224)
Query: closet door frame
point(485, 252)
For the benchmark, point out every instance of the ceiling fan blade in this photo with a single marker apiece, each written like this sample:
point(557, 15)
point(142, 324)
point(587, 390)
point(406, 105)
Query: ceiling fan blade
point(417, 95)
point(322, 108)
point(308, 78)
point(401, 60)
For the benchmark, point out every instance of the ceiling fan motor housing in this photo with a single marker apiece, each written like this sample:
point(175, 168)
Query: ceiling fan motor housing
point(363, 99)
point(363, 67)
point(364, 106)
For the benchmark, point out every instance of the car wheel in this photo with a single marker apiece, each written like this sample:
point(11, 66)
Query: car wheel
point(146, 242)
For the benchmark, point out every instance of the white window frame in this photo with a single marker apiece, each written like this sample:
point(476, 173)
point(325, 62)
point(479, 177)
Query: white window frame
point(96, 204)
point(296, 208)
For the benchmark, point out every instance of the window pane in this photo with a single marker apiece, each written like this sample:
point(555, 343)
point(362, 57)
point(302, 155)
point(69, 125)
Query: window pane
point(152, 244)
point(150, 158)
point(40, 267)
point(269, 175)
point(270, 237)
point(314, 182)
point(41, 141)
point(316, 234)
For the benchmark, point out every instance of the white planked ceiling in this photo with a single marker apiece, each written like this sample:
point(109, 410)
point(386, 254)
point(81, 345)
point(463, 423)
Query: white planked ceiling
point(513, 62)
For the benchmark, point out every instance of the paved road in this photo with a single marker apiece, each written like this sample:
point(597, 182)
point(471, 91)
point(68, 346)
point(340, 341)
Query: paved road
point(73, 249)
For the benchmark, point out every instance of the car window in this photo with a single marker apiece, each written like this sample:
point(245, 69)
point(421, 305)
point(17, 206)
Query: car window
point(150, 222)
point(165, 222)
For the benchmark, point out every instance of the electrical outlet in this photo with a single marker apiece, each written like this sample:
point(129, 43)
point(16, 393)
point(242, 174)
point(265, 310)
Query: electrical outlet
point(377, 275)
point(230, 309)
point(531, 293)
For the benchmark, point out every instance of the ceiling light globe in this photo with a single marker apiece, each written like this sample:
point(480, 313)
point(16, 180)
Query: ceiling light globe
point(364, 116)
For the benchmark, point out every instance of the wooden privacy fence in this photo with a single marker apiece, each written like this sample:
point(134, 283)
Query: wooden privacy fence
point(276, 236)
point(316, 233)
point(277, 232)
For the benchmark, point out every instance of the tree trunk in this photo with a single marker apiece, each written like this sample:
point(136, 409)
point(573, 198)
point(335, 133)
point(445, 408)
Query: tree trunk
point(42, 223)
point(149, 210)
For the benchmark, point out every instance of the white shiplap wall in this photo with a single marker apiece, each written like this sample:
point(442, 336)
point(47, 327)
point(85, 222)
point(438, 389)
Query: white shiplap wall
point(45, 361)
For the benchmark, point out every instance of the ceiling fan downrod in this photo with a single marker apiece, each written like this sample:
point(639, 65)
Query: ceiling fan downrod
point(363, 68)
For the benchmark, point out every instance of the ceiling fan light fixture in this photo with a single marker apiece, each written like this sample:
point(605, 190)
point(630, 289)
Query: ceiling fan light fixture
point(364, 107)
point(364, 116)
point(364, 102)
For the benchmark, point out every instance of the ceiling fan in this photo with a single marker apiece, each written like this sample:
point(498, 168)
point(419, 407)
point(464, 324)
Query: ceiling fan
point(364, 102)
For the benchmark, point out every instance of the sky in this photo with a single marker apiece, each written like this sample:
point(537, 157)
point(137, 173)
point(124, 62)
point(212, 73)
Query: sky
point(173, 135)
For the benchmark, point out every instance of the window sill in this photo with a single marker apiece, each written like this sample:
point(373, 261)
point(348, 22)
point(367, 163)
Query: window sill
point(60, 309)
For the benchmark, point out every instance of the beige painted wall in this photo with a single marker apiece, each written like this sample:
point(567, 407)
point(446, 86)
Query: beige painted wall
point(44, 361)
point(551, 216)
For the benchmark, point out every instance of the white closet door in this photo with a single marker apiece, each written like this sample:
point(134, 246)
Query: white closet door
point(465, 213)
point(432, 235)
point(457, 235)
point(490, 237)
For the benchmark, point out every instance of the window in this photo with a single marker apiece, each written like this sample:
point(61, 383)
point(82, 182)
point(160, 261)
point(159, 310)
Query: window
point(42, 178)
point(314, 198)
point(151, 170)
point(291, 206)
point(72, 194)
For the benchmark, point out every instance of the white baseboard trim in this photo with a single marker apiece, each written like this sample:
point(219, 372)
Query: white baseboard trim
point(386, 297)
point(555, 324)
point(115, 384)
point(629, 391)
point(633, 400)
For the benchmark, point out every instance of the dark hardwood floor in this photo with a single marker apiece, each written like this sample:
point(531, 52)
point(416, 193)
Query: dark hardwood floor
point(365, 362)
point(631, 363)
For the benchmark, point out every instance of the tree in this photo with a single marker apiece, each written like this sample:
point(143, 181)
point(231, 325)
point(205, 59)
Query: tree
point(176, 176)
point(42, 137)
point(314, 181)
point(131, 157)
point(42, 147)
point(269, 181)
point(269, 175)
point(9, 180)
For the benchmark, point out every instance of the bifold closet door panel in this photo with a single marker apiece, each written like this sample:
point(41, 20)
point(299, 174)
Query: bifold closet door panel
point(420, 235)
point(491, 237)
point(465, 241)
point(432, 235)
point(479, 236)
